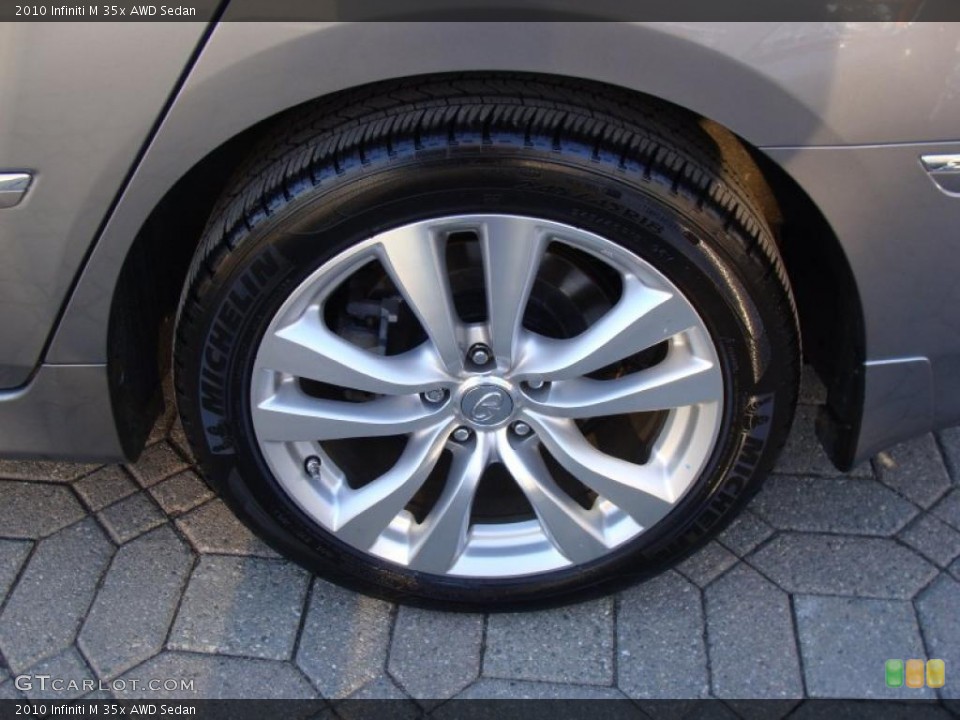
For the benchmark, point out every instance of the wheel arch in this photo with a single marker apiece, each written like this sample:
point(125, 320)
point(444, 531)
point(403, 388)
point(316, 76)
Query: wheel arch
point(153, 270)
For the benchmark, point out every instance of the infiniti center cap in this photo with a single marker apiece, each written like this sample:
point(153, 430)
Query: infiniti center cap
point(486, 405)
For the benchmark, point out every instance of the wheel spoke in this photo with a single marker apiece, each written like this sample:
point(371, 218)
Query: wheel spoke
point(681, 379)
point(362, 515)
point(307, 348)
point(415, 258)
point(642, 318)
point(575, 532)
point(438, 542)
point(290, 415)
point(512, 249)
point(641, 491)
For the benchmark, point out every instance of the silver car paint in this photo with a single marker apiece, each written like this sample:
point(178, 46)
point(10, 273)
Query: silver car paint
point(64, 412)
point(786, 87)
point(77, 101)
point(899, 231)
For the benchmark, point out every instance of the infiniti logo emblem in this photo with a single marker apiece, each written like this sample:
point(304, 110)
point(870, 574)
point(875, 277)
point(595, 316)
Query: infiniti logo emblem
point(486, 405)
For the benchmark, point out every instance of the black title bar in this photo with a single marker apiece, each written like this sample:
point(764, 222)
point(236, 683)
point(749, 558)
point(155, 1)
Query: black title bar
point(483, 10)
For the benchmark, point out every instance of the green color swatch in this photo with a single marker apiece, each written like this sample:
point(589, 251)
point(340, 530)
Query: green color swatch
point(894, 673)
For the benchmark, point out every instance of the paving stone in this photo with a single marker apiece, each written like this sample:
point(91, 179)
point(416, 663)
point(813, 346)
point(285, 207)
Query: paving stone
point(846, 641)
point(46, 608)
point(178, 439)
point(131, 517)
point(494, 689)
point(660, 640)
point(434, 655)
point(955, 568)
point(750, 638)
point(841, 565)
point(812, 389)
point(159, 432)
point(344, 640)
point(8, 691)
point(132, 613)
point(241, 606)
point(157, 462)
point(935, 540)
point(803, 454)
point(31, 510)
point(383, 688)
point(107, 485)
point(519, 693)
point(948, 509)
point(161, 428)
point(380, 699)
point(68, 678)
point(938, 608)
point(99, 695)
point(744, 533)
point(43, 470)
point(213, 528)
point(12, 555)
point(914, 469)
point(950, 444)
point(841, 505)
point(222, 677)
point(569, 644)
point(707, 563)
point(181, 493)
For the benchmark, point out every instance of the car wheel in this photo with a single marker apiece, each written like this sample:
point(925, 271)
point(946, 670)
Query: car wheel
point(486, 343)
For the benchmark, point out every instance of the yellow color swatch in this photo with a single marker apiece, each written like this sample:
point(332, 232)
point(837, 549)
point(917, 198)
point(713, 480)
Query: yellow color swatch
point(914, 674)
point(936, 672)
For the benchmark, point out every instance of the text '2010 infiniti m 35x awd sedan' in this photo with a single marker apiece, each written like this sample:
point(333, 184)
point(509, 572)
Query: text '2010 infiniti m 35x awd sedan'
point(478, 314)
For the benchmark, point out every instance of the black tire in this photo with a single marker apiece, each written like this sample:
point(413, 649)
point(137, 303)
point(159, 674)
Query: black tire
point(646, 177)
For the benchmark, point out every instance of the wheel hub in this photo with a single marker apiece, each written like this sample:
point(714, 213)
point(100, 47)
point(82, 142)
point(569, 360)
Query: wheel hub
point(487, 405)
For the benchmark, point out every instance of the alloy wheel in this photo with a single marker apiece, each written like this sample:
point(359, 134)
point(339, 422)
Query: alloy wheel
point(475, 368)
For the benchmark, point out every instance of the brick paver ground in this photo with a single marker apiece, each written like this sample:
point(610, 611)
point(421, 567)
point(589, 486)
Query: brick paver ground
point(136, 572)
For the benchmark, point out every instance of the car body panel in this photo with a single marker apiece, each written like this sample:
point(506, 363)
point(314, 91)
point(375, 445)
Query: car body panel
point(63, 412)
point(809, 94)
point(899, 232)
point(257, 70)
point(77, 101)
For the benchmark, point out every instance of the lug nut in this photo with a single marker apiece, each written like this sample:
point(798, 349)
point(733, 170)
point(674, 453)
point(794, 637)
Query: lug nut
point(535, 383)
point(435, 395)
point(480, 354)
point(521, 428)
point(461, 434)
point(312, 466)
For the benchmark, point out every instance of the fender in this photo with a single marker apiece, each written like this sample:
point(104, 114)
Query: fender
point(248, 72)
point(783, 87)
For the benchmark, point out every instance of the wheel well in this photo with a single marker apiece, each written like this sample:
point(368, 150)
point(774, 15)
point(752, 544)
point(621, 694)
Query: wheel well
point(155, 269)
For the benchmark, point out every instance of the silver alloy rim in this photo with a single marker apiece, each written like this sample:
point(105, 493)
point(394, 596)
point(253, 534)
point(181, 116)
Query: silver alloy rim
point(525, 401)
